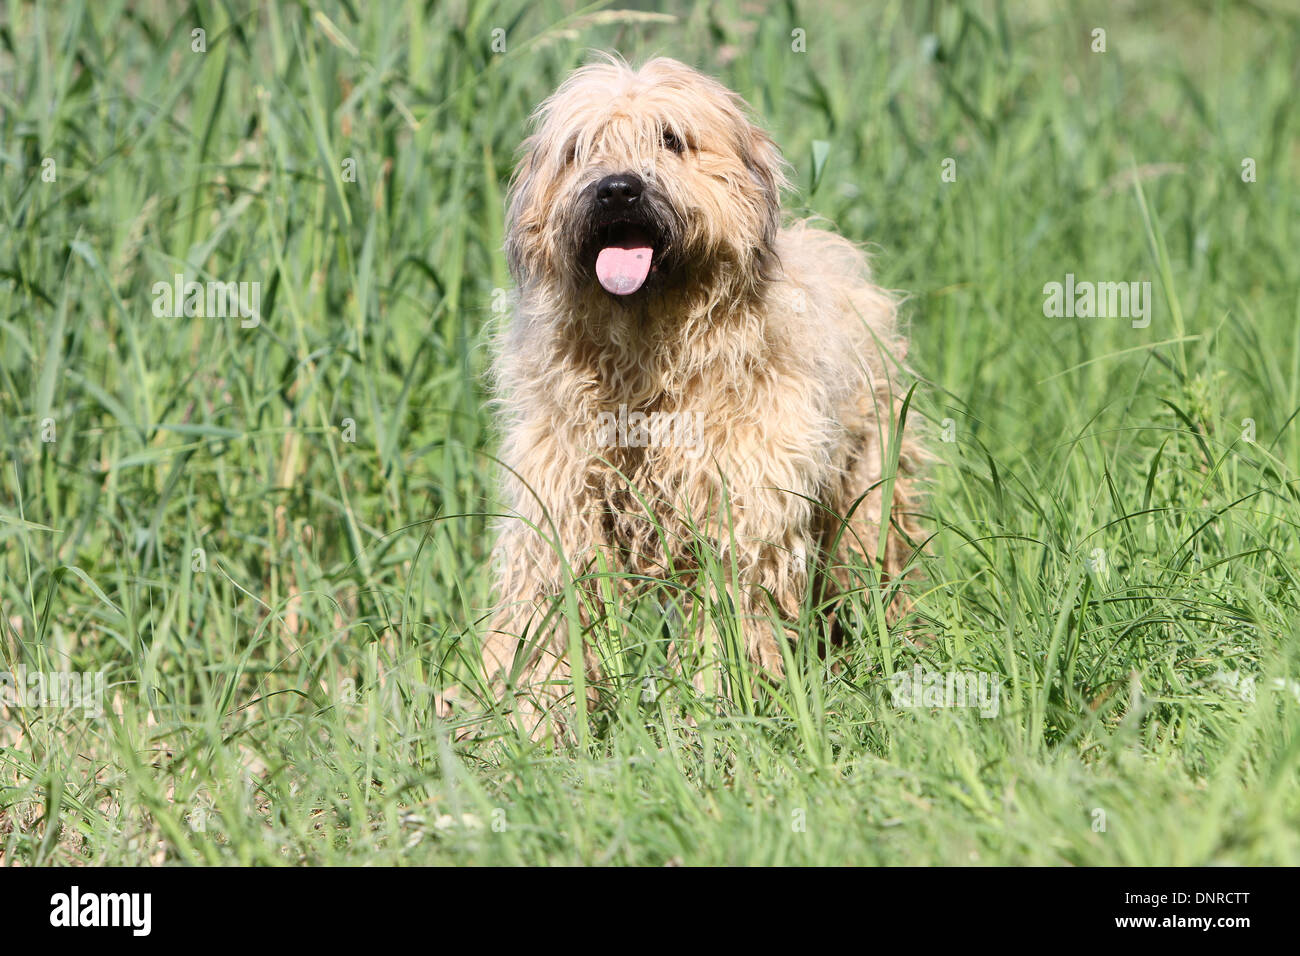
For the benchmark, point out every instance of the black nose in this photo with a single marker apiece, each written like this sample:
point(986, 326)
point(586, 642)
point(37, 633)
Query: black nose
point(618, 192)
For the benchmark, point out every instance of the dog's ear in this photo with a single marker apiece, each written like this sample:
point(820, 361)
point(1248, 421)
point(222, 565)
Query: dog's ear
point(766, 168)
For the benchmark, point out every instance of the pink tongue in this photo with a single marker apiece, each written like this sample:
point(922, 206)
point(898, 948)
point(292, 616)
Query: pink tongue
point(623, 271)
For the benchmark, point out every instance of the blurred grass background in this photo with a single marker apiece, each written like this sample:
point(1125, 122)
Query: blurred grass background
point(274, 605)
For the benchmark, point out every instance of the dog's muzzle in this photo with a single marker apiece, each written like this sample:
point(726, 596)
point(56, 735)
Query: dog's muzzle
point(624, 236)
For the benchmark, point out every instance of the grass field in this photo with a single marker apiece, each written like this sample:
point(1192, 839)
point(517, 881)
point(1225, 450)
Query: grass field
point(270, 536)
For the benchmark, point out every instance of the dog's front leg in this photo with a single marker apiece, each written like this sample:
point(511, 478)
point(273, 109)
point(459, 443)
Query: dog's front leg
point(762, 529)
point(545, 545)
point(530, 642)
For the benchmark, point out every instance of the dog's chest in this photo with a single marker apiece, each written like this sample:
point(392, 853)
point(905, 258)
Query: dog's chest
point(639, 497)
point(649, 477)
point(653, 472)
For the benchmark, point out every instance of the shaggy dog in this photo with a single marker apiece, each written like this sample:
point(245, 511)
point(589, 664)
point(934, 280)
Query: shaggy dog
point(657, 284)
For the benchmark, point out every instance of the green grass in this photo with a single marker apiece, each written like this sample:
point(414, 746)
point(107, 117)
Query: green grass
point(271, 699)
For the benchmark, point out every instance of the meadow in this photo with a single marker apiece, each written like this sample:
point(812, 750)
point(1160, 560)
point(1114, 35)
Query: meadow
point(268, 532)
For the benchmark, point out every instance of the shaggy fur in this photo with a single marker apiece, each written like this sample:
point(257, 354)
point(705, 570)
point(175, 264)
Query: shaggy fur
point(776, 335)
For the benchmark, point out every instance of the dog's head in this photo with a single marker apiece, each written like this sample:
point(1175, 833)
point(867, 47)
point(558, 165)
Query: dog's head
point(639, 180)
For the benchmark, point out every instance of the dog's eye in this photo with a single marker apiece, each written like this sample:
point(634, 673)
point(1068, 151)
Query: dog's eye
point(671, 142)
